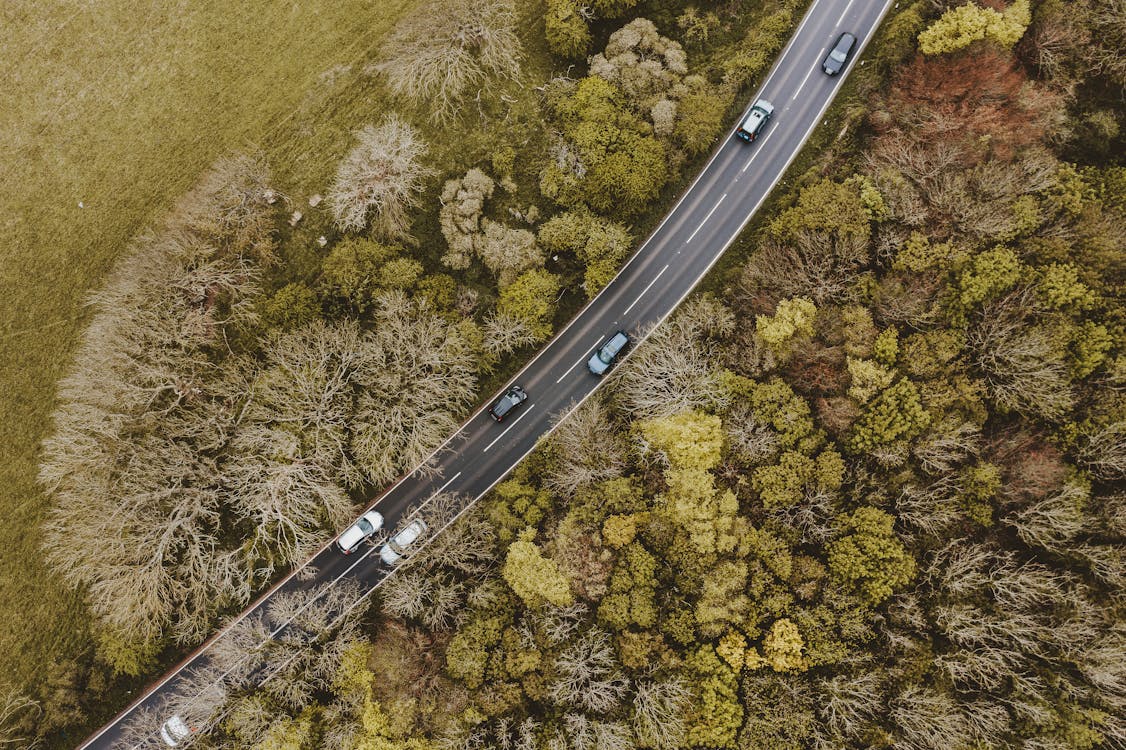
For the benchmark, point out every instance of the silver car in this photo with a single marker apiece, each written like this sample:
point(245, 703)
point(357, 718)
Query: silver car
point(607, 353)
point(396, 549)
point(838, 56)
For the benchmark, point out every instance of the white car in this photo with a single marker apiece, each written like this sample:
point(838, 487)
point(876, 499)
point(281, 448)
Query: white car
point(760, 114)
point(174, 731)
point(396, 549)
point(354, 535)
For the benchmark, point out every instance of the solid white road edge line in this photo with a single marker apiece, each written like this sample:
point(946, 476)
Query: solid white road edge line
point(262, 598)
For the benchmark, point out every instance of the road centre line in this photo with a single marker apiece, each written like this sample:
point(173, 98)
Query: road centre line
point(646, 289)
point(785, 51)
point(820, 55)
point(447, 484)
point(336, 580)
point(758, 151)
point(779, 64)
point(839, 20)
point(498, 437)
point(754, 210)
point(705, 221)
point(581, 360)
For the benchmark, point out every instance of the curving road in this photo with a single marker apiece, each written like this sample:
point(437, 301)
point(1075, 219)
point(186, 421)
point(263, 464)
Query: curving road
point(703, 223)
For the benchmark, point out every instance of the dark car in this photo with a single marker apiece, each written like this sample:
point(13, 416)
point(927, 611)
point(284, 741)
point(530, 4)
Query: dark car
point(838, 56)
point(608, 352)
point(756, 120)
point(512, 398)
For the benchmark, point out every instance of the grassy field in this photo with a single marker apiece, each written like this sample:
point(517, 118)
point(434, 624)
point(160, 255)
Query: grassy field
point(109, 112)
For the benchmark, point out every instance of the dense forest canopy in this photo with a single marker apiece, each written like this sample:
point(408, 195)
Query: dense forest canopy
point(866, 491)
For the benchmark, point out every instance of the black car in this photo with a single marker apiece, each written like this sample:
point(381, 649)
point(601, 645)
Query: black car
point(838, 56)
point(512, 398)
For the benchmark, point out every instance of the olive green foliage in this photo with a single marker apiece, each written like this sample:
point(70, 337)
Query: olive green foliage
point(533, 577)
point(962, 26)
point(565, 30)
point(723, 598)
point(357, 269)
point(516, 506)
point(708, 515)
point(755, 51)
point(843, 207)
point(775, 404)
point(782, 647)
point(623, 166)
point(786, 483)
point(290, 307)
point(792, 319)
point(689, 440)
point(987, 275)
point(601, 244)
point(868, 557)
point(531, 299)
point(896, 414)
point(633, 590)
point(468, 652)
point(717, 714)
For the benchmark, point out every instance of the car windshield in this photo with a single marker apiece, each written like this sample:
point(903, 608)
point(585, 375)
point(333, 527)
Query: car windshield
point(606, 355)
point(365, 526)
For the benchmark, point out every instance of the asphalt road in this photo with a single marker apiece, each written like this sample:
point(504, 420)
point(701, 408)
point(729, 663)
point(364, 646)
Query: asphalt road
point(703, 223)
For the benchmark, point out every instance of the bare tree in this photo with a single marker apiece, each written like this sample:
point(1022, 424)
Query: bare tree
point(820, 265)
point(1103, 450)
point(446, 46)
point(508, 251)
point(232, 204)
point(1055, 521)
point(148, 407)
point(559, 624)
point(380, 180)
point(579, 732)
point(290, 464)
point(418, 373)
point(933, 508)
point(947, 446)
point(928, 720)
point(462, 204)
point(16, 709)
point(658, 715)
point(753, 441)
point(586, 447)
point(1019, 361)
point(310, 630)
point(587, 674)
point(504, 334)
point(848, 703)
point(672, 371)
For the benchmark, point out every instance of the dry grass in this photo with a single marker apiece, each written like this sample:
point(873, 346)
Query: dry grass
point(120, 106)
